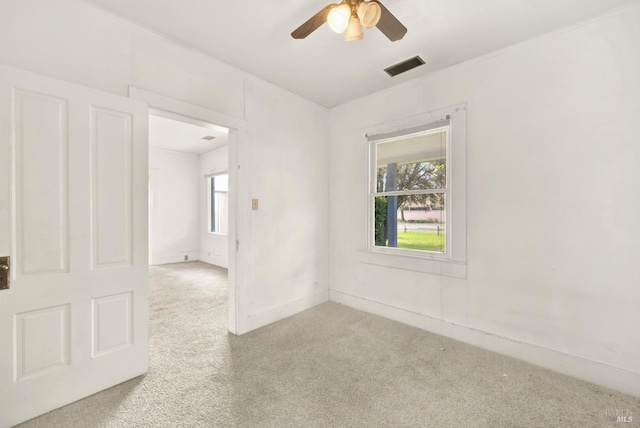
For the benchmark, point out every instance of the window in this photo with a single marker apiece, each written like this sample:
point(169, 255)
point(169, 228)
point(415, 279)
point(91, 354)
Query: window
point(410, 195)
point(219, 204)
point(417, 185)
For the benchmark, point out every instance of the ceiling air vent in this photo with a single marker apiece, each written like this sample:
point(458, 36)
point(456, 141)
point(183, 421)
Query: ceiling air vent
point(208, 137)
point(403, 66)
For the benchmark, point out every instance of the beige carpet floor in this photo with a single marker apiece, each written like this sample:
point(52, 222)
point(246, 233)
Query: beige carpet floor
point(331, 366)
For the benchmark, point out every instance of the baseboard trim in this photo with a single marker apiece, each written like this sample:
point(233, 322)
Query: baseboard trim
point(616, 378)
point(175, 258)
point(271, 315)
point(216, 260)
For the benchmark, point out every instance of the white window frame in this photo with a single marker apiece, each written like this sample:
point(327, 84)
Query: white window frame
point(208, 179)
point(432, 128)
point(453, 261)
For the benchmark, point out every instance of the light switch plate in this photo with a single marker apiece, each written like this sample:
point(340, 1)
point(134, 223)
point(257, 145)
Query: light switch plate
point(254, 204)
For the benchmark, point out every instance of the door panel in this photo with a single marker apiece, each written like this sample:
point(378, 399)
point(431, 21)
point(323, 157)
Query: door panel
point(42, 241)
point(73, 218)
point(112, 187)
point(42, 341)
point(112, 324)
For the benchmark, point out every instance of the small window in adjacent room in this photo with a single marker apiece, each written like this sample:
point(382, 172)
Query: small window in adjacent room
point(410, 208)
point(219, 204)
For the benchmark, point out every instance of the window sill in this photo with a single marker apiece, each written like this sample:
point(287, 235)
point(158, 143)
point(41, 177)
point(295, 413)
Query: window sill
point(216, 235)
point(431, 265)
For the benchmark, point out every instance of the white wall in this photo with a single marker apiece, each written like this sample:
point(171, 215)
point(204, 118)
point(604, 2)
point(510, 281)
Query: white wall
point(278, 273)
point(176, 210)
point(289, 162)
point(214, 248)
point(553, 152)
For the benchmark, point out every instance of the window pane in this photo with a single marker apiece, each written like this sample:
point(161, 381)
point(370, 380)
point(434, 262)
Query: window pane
point(221, 212)
point(413, 163)
point(221, 182)
point(219, 222)
point(414, 222)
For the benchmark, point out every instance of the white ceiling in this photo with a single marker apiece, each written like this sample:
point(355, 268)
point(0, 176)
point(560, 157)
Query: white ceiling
point(255, 37)
point(179, 136)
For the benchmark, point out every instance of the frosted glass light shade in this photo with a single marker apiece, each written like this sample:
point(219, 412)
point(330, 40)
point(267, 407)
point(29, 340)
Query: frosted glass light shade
point(354, 30)
point(369, 14)
point(338, 18)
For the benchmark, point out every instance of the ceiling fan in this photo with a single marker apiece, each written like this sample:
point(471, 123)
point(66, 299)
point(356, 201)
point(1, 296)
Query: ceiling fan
point(351, 16)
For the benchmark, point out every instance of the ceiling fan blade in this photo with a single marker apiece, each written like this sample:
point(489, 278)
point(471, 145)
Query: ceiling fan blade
point(389, 25)
point(313, 23)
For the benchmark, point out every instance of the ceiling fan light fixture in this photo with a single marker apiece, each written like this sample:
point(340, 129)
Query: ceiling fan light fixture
point(338, 18)
point(350, 16)
point(369, 13)
point(354, 30)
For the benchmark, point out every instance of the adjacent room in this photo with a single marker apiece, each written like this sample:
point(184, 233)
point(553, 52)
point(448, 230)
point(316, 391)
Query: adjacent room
point(188, 191)
point(365, 213)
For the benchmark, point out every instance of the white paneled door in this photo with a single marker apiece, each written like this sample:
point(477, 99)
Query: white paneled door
point(73, 220)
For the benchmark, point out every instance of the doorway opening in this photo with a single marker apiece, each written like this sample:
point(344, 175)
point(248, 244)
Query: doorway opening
point(188, 190)
point(210, 247)
point(192, 198)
